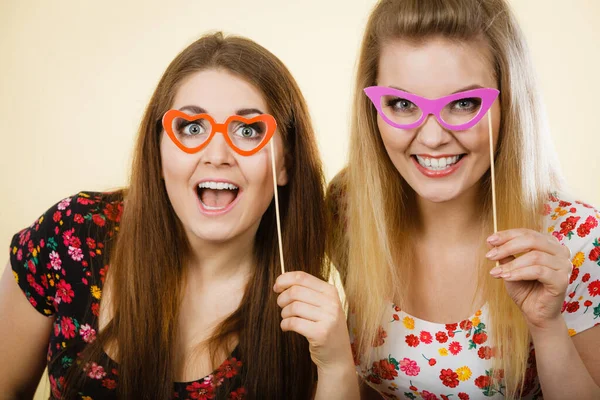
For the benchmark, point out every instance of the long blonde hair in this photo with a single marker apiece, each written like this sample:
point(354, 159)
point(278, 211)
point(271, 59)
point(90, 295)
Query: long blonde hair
point(373, 249)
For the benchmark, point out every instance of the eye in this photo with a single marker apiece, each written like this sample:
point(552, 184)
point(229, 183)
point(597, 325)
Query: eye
point(252, 131)
point(193, 129)
point(190, 128)
point(469, 104)
point(401, 104)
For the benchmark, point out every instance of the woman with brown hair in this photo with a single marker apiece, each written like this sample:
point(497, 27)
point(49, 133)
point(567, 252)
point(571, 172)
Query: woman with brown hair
point(445, 306)
point(138, 293)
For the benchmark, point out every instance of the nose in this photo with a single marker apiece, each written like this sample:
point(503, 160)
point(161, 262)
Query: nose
point(432, 134)
point(217, 152)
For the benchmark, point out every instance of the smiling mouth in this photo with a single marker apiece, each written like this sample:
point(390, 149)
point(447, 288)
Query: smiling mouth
point(216, 196)
point(438, 164)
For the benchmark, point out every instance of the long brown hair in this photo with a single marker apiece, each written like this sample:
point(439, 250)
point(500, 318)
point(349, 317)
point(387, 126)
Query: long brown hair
point(151, 247)
point(375, 249)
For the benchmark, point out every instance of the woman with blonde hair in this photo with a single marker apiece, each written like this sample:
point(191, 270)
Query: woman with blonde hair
point(443, 305)
point(172, 288)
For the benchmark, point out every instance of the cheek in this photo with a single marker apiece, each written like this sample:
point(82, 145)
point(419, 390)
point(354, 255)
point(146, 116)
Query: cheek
point(177, 166)
point(395, 140)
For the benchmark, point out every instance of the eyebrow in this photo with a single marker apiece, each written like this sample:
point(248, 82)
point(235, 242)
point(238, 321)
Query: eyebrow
point(464, 89)
point(242, 111)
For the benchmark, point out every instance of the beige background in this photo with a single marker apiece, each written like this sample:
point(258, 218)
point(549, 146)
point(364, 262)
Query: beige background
point(76, 75)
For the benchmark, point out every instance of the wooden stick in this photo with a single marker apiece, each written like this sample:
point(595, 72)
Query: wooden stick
point(277, 206)
point(492, 174)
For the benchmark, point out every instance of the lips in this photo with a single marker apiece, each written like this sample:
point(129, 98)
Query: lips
point(439, 166)
point(217, 195)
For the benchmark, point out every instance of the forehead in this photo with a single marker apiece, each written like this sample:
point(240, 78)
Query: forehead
point(435, 67)
point(219, 92)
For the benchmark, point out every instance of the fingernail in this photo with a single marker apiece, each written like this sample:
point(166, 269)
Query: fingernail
point(275, 287)
point(492, 239)
point(492, 253)
point(505, 275)
point(495, 271)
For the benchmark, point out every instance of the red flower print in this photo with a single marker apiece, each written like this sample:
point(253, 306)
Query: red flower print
point(466, 325)
point(432, 361)
point(558, 235)
point(55, 261)
point(91, 243)
point(454, 348)
point(238, 394)
point(586, 278)
point(396, 308)
point(109, 383)
point(87, 333)
point(480, 338)
point(409, 367)
point(67, 236)
point(354, 355)
point(201, 390)
point(572, 307)
point(547, 209)
point(96, 309)
point(594, 288)
point(563, 204)
point(574, 275)
point(583, 230)
point(587, 303)
point(56, 386)
point(499, 374)
point(380, 337)
point(67, 327)
point(385, 370)
point(113, 213)
point(396, 317)
point(85, 201)
point(483, 382)
point(444, 397)
point(591, 221)
point(230, 368)
point(567, 226)
point(426, 337)
point(463, 396)
point(78, 218)
point(441, 337)
point(98, 220)
point(95, 371)
point(485, 353)
point(75, 241)
point(64, 292)
point(595, 254)
point(374, 379)
point(451, 327)
point(57, 216)
point(412, 340)
point(428, 395)
point(449, 378)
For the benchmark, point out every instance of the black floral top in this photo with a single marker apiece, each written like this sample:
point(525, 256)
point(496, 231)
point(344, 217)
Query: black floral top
point(58, 263)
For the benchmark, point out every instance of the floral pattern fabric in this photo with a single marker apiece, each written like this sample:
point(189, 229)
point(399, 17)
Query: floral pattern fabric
point(59, 265)
point(417, 359)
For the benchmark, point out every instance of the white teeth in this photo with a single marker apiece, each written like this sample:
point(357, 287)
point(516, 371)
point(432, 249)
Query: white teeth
point(211, 208)
point(217, 185)
point(437, 164)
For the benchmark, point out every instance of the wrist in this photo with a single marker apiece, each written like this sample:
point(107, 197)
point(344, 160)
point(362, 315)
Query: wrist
point(555, 326)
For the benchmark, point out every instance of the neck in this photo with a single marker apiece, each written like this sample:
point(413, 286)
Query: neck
point(452, 221)
point(213, 262)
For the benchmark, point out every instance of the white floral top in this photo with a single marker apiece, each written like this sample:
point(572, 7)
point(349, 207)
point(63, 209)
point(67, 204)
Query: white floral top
point(417, 359)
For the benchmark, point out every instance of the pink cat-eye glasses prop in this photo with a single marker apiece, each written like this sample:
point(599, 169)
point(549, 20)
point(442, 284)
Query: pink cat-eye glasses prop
point(456, 112)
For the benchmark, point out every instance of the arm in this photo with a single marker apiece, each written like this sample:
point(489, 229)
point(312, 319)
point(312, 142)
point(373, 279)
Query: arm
point(24, 336)
point(575, 360)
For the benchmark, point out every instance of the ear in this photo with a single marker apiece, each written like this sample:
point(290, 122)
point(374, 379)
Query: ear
point(282, 176)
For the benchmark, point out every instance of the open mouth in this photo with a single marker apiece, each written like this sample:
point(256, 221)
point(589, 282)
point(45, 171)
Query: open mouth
point(438, 164)
point(216, 196)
